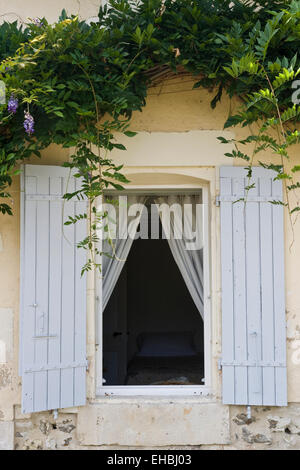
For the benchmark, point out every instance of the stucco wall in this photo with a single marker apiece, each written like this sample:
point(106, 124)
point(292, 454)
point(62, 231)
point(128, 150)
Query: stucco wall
point(177, 136)
point(21, 11)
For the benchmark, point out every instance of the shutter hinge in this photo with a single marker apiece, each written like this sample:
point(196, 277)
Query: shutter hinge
point(220, 363)
point(45, 337)
point(252, 364)
point(218, 201)
point(39, 368)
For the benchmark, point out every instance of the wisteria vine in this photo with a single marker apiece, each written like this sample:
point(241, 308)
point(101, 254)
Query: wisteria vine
point(77, 84)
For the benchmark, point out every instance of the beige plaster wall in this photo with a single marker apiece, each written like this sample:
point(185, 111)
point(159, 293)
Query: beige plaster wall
point(21, 10)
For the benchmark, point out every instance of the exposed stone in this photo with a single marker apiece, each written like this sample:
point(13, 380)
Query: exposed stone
point(293, 429)
point(247, 436)
point(50, 444)
point(42, 432)
point(278, 424)
point(67, 426)
point(255, 438)
point(242, 419)
point(66, 441)
point(45, 427)
point(261, 439)
point(34, 444)
point(291, 441)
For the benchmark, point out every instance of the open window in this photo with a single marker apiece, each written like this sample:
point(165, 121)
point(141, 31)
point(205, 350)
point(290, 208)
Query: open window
point(143, 320)
point(154, 329)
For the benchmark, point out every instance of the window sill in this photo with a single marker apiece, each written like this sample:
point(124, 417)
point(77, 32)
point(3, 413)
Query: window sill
point(156, 393)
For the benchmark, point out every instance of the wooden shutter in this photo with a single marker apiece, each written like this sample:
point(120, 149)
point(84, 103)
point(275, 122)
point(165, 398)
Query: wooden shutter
point(53, 306)
point(253, 303)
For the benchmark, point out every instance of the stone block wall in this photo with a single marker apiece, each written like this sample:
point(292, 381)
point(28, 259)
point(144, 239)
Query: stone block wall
point(267, 429)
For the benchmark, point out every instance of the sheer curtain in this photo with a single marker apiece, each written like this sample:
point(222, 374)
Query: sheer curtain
point(125, 228)
point(184, 231)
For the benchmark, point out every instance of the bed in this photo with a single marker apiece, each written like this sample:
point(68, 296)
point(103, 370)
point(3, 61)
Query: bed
point(166, 359)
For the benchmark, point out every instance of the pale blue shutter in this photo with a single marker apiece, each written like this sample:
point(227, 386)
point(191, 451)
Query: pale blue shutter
point(253, 294)
point(53, 305)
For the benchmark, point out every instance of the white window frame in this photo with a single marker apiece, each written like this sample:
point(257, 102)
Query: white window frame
point(164, 390)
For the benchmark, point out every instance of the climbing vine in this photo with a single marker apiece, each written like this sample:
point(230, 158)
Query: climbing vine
point(77, 84)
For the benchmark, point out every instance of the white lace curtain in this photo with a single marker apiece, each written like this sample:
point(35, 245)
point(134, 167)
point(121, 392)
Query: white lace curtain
point(184, 231)
point(186, 219)
point(112, 264)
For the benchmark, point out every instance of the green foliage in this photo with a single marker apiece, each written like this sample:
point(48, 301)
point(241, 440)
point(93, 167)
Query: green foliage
point(81, 83)
point(11, 37)
point(268, 65)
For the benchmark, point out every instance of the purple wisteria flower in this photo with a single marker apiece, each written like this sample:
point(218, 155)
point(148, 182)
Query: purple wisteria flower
point(12, 104)
point(38, 22)
point(28, 123)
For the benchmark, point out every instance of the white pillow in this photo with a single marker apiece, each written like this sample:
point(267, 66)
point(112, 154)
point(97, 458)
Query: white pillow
point(167, 344)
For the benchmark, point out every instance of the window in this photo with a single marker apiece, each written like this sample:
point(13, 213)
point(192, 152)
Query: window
point(154, 330)
point(53, 357)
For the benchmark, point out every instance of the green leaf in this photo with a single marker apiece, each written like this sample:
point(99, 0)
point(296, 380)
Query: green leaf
point(119, 146)
point(130, 133)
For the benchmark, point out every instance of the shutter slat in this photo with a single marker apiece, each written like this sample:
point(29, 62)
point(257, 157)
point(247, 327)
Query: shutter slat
point(253, 305)
point(42, 299)
point(52, 281)
point(227, 297)
point(68, 304)
point(267, 294)
point(252, 228)
point(239, 292)
point(56, 230)
point(279, 301)
point(80, 305)
point(41, 311)
point(28, 321)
